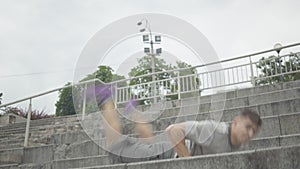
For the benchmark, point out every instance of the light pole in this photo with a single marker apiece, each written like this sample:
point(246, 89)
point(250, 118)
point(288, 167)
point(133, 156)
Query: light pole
point(0, 97)
point(151, 51)
point(277, 47)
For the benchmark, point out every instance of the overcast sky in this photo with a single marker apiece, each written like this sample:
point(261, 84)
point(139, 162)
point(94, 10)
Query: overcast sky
point(41, 40)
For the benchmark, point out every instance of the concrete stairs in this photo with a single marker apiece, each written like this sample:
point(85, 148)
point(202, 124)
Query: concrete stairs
point(61, 142)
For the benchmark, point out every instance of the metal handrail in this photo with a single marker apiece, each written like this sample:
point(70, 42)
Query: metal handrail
point(166, 71)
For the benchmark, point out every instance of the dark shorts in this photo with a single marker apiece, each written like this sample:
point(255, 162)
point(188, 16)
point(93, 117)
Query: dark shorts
point(128, 150)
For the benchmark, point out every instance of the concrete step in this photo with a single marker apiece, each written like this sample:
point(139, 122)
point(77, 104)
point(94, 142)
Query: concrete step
point(11, 156)
point(7, 142)
point(269, 109)
point(278, 104)
point(47, 121)
point(267, 142)
point(248, 96)
point(11, 146)
point(41, 122)
point(82, 162)
point(275, 158)
point(43, 129)
point(264, 109)
point(87, 149)
point(252, 91)
point(85, 152)
point(9, 166)
point(77, 150)
point(27, 166)
point(289, 125)
point(230, 104)
point(267, 88)
point(251, 99)
point(192, 104)
point(161, 124)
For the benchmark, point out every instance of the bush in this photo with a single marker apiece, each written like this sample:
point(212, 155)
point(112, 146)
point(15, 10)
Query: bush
point(35, 114)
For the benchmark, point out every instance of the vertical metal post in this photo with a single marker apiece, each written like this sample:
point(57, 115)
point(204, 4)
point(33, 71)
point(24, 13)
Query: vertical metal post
point(116, 95)
point(28, 124)
point(196, 87)
point(153, 69)
point(84, 101)
point(252, 73)
point(178, 84)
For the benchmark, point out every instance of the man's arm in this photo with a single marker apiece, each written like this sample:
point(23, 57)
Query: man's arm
point(176, 133)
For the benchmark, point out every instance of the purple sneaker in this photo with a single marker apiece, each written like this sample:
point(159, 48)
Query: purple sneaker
point(103, 93)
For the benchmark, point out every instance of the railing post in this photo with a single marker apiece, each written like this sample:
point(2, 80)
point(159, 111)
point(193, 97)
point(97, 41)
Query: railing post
point(116, 94)
point(28, 124)
point(252, 73)
point(84, 101)
point(195, 82)
point(178, 84)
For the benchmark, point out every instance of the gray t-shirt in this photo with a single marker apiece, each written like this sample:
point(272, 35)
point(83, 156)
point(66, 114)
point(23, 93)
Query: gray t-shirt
point(205, 137)
point(208, 137)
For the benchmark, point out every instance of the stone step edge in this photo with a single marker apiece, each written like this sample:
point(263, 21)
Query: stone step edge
point(248, 96)
point(264, 138)
point(194, 157)
point(265, 117)
point(238, 107)
point(9, 165)
point(241, 107)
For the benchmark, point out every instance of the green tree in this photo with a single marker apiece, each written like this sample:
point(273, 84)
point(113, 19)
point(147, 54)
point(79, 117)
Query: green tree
point(276, 69)
point(104, 73)
point(142, 89)
point(145, 67)
point(65, 104)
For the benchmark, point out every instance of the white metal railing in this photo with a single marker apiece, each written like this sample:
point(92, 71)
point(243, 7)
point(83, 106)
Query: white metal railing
point(175, 84)
point(248, 71)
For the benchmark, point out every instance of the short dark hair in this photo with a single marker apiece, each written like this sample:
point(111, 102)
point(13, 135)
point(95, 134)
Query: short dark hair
point(252, 115)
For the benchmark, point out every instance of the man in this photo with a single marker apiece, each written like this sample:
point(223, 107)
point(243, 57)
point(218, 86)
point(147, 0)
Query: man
point(205, 137)
point(209, 137)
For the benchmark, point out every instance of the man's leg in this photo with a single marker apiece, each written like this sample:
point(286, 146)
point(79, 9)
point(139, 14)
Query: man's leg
point(112, 125)
point(143, 128)
point(130, 150)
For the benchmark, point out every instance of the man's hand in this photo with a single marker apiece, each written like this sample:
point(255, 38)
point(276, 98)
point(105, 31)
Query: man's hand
point(176, 133)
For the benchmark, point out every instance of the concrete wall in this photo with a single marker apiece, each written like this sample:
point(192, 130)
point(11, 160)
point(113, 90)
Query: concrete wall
point(10, 118)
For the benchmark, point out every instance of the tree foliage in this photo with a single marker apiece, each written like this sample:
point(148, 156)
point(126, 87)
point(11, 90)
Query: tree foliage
point(145, 67)
point(276, 69)
point(142, 89)
point(65, 104)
